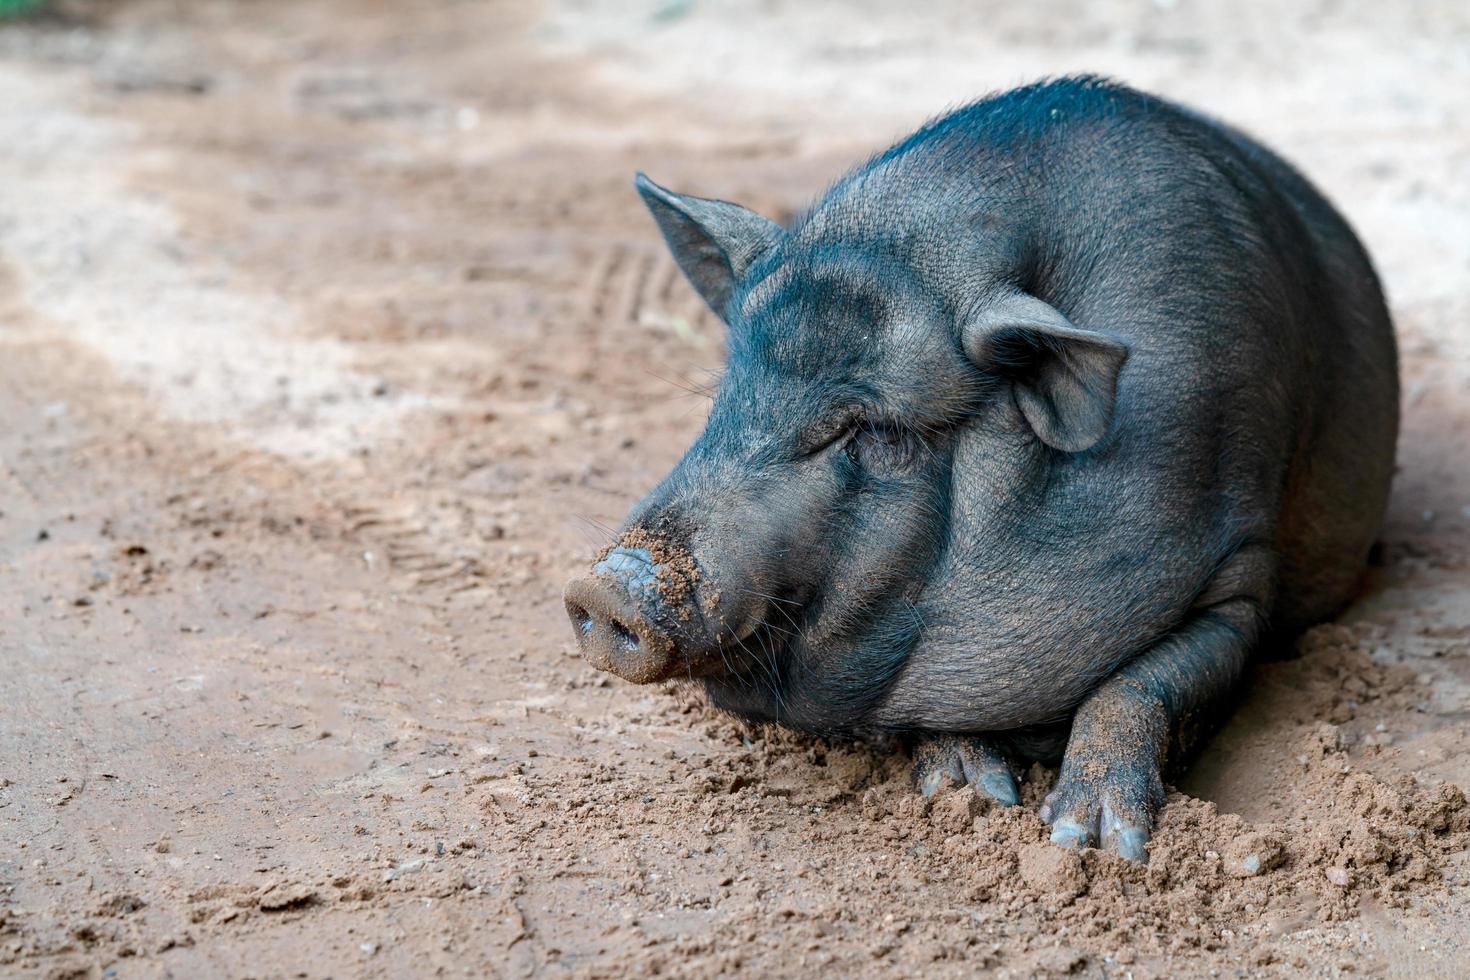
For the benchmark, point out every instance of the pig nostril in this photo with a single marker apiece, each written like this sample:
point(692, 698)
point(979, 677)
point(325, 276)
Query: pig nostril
point(583, 618)
point(629, 638)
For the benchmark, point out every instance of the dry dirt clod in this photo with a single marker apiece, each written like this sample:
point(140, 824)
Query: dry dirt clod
point(1252, 854)
point(1054, 872)
point(954, 811)
point(283, 897)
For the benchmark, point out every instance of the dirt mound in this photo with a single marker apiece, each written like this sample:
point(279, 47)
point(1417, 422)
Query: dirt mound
point(1215, 881)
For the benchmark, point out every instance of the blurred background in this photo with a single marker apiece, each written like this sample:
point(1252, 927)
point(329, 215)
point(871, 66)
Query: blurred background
point(332, 340)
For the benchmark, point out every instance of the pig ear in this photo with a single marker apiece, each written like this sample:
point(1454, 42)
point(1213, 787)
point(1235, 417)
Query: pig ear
point(714, 242)
point(1065, 379)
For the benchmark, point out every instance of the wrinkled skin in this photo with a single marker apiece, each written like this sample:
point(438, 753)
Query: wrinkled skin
point(1033, 430)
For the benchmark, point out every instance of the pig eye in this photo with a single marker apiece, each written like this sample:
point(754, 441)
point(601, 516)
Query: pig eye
point(834, 430)
point(880, 448)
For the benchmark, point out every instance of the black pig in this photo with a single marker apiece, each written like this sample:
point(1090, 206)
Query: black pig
point(1032, 430)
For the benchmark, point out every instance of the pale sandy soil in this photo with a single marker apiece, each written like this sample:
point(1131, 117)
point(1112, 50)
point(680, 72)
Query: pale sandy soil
point(332, 335)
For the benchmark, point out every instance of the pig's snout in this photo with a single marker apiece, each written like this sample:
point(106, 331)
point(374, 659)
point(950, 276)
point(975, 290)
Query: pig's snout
point(609, 610)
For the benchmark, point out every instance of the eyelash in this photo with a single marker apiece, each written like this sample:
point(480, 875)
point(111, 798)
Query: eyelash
point(878, 446)
point(874, 446)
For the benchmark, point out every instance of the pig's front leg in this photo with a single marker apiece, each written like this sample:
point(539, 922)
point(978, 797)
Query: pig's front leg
point(965, 759)
point(1111, 782)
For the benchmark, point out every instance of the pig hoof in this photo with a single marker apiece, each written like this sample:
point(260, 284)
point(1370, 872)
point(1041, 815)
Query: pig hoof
point(1128, 843)
point(1125, 840)
point(964, 760)
point(1001, 787)
point(1070, 834)
point(1115, 817)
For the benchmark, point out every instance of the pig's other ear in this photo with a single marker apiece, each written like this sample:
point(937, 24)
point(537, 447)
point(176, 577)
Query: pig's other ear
point(714, 242)
point(1065, 380)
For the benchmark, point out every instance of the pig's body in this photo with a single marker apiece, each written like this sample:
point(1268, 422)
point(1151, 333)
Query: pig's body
point(1256, 413)
point(1138, 394)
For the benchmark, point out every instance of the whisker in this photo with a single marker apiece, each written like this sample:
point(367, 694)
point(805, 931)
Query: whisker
point(594, 532)
point(600, 525)
point(764, 595)
point(683, 384)
point(796, 628)
point(766, 661)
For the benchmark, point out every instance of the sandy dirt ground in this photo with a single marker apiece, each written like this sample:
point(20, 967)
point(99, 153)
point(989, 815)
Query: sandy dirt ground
point(333, 339)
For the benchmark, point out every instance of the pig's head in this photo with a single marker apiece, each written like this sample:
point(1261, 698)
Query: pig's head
point(784, 558)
